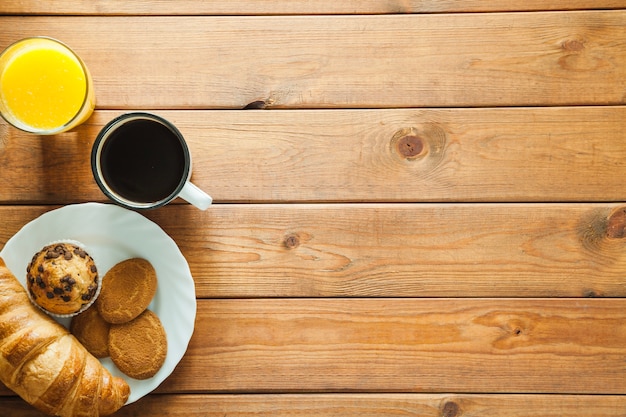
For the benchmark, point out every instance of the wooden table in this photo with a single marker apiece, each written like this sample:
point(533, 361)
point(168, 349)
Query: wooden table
point(420, 206)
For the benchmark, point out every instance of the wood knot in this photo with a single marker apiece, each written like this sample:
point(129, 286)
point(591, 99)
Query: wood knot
point(450, 409)
point(291, 241)
point(573, 45)
point(425, 142)
point(616, 224)
point(410, 146)
point(256, 105)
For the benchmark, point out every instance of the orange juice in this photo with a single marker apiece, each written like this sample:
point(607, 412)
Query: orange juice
point(44, 87)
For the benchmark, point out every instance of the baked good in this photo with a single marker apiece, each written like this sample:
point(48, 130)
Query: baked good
point(62, 279)
point(139, 347)
point(127, 290)
point(92, 331)
point(45, 365)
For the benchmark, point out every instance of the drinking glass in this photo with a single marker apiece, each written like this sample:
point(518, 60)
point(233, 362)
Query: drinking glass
point(45, 88)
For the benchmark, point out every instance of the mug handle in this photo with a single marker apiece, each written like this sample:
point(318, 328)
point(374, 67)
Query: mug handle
point(192, 194)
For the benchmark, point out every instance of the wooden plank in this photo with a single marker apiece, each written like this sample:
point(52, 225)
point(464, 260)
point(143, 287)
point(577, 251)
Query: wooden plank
point(403, 250)
point(362, 405)
point(272, 7)
point(406, 345)
point(405, 155)
point(408, 250)
point(514, 59)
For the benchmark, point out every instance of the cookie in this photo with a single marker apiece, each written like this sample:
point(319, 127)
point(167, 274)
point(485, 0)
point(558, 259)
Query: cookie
point(62, 279)
point(92, 331)
point(127, 290)
point(139, 348)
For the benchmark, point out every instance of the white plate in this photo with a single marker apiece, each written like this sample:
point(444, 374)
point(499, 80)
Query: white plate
point(110, 235)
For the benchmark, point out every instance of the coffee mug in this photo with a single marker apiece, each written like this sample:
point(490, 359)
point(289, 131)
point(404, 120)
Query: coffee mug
point(141, 161)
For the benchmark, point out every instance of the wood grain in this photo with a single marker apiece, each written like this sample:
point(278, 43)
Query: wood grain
point(394, 155)
point(481, 59)
point(420, 211)
point(402, 250)
point(271, 7)
point(362, 405)
point(409, 250)
point(405, 345)
point(531, 346)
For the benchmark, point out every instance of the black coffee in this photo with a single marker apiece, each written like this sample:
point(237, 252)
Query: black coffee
point(143, 161)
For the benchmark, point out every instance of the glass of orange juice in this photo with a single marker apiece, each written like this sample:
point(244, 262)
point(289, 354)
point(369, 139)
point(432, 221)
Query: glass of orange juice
point(45, 88)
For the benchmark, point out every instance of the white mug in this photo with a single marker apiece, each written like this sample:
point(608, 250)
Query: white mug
point(141, 161)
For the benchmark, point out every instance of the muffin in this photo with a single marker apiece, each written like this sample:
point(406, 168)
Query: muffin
point(62, 279)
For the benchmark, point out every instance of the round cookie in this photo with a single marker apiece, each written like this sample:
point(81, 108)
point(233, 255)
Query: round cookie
point(138, 348)
point(127, 290)
point(92, 331)
point(62, 279)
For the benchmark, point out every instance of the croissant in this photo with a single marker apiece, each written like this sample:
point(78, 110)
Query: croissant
point(45, 365)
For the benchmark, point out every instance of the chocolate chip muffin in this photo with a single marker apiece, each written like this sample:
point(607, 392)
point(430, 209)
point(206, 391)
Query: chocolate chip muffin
point(62, 279)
